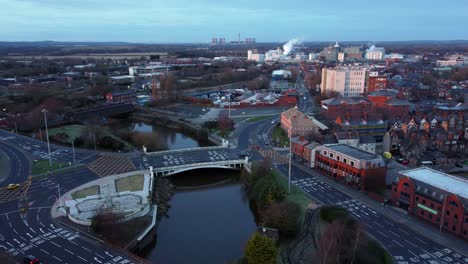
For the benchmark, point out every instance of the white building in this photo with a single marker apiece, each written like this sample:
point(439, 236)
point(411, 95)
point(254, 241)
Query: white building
point(253, 55)
point(347, 80)
point(272, 55)
point(374, 53)
point(453, 61)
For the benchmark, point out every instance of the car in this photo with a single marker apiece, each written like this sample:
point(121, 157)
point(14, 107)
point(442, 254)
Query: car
point(459, 165)
point(30, 259)
point(13, 186)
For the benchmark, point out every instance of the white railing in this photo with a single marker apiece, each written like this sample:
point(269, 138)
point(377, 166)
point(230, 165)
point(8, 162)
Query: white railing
point(209, 163)
point(185, 150)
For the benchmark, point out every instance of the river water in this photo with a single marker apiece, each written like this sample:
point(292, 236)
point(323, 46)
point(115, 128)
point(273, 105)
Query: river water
point(173, 138)
point(209, 220)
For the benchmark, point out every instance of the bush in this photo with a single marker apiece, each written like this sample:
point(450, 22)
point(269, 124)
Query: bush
point(266, 191)
point(260, 250)
point(283, 216)
point(331, 213)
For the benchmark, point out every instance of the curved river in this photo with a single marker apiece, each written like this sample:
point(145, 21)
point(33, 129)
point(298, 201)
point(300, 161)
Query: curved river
point(205, 224)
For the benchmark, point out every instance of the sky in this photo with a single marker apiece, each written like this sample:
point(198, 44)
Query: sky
point(197, 21)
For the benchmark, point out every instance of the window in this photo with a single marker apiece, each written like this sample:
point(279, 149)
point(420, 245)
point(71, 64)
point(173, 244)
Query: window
point(447, 212)
point(345, 160)
point(331, 155)
point(430, 216)
point(424, 202)
point(432, 205)
point(338, 158)
point(455, 216)
point(325, 152)
point(417, 198)
point(351, 163)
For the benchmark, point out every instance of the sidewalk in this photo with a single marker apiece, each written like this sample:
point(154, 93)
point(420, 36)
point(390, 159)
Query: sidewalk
point(431, 232)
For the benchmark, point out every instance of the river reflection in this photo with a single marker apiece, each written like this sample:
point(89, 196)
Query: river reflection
point(207, 223)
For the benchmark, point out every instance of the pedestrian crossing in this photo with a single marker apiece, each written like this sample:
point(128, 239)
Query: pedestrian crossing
point(274, 156)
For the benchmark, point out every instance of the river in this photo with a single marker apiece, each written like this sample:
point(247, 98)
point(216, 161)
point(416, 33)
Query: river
point(209, 220)
point(172, 138)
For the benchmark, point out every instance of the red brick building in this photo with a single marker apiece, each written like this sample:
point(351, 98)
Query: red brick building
point(128, 96)
point(434, 196)
point(297, 145)
point(352, 166)
point(376, 83)
point(297, 123)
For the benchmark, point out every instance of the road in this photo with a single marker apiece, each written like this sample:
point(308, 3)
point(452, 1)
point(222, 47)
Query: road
point(404, 244)
point(35, 232)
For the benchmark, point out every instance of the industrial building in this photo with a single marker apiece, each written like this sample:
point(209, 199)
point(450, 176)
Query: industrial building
point(346, 80)
point(374, 53)
point(436, 197)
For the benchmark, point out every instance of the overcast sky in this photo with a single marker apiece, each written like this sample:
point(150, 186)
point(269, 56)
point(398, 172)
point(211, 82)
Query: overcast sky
point(159, 21)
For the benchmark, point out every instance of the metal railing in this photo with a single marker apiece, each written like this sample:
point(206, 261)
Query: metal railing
point(209, 163)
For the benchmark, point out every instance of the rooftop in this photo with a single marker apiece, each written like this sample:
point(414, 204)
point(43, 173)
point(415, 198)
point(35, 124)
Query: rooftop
point(439, 179)
point(353, 152)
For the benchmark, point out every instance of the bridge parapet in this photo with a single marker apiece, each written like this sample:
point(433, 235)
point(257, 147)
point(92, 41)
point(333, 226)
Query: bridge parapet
point(183, 150)
point(224, 164)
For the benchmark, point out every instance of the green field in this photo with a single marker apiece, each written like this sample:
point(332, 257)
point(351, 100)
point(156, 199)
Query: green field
point(256, 118)
point(280, 137)
point(91, 190)
point(42, 166)
point(297, 196)
point(73, 131)
point(130, 183)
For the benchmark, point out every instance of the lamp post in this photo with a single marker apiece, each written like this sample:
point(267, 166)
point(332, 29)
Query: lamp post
point(47, 135)
point(290, 158)
point(73, 150)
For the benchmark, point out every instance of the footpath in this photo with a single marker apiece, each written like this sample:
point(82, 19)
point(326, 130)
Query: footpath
point(419, 226)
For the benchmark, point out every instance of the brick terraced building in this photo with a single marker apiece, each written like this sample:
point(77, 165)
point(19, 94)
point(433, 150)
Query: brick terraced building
point(352, 166)
point(434, 196)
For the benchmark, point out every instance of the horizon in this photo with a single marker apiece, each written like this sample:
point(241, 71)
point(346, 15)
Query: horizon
point(182, 21)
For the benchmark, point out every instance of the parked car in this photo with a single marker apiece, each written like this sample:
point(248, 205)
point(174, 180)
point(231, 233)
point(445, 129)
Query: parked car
point(459, 165)
point(13, 186)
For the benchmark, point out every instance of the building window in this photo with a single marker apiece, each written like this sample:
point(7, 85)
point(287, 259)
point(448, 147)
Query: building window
point(325, 152)
point(447, 212)
point(345, 160)
point(430, 216)
point(351, 163)
point(331, 155)
point(455, 216)
point(417, 198)
point(424, 202)
point(432, 205)
point(338, 158)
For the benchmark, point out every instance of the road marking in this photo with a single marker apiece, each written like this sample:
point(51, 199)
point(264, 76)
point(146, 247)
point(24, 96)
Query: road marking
point(86, 249)
point(82, 259)
point(410, 243)
point(403, 231)
point(55, 244)
point(382, 233)
point(32, 230)
point(29, 235)
point(412, 253)
point(422, 241)
point(395, 234)
point(397, 243)
point(69, 251)
point(57, 258)
point(99, 256)
point(44, 251)
point(96, 259)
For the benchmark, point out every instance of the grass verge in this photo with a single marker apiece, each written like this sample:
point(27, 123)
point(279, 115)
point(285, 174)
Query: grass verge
point(91, 190)
point(256, 118)
point(280, 137)
point(42, 166)
point(131, 183)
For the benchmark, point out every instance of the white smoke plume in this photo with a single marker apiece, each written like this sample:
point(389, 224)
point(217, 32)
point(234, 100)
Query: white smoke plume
point(289, 46)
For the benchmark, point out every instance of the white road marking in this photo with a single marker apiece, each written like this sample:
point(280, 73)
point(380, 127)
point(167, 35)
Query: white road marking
point(57, 258)
point(397, 243)
point(44, 251)
point(69, 251)
point(55, 244)
point(82, 259)
point(86, 249)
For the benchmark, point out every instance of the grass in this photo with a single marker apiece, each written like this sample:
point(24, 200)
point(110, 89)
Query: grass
point(91, 190)
point(330, 213)
point(73, 131)
point(42, 166)
point(4, 165)
point(280, 136)
point(256, 118)
point(131, 183)
point(297, 196)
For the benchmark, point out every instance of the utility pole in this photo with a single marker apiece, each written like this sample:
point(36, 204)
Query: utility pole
point(94, 136)
point(47, 136)
point(229, 111)
point(73, 150)
point(290, 158)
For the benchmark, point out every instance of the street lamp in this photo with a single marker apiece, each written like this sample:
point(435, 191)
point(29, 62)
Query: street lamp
point(290, 158)
point(73, 150)
point(47, 136)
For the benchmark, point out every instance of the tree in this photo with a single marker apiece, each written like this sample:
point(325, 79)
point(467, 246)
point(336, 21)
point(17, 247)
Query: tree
point(225, 123)
point(260, 250)
point(283, 216)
